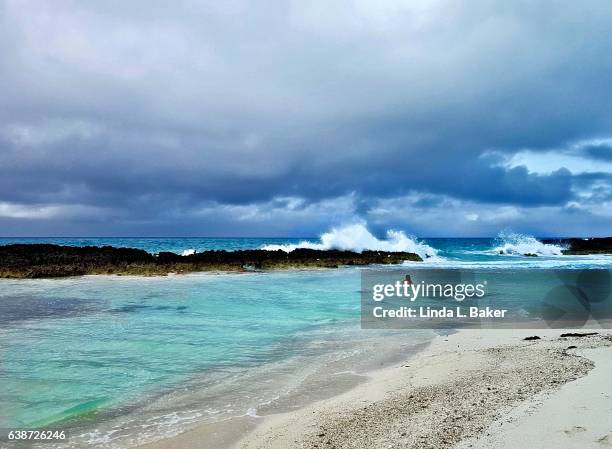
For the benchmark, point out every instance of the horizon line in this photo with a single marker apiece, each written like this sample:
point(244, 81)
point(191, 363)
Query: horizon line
point(273, 237)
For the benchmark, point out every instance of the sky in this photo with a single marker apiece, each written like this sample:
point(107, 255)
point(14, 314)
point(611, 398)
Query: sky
point(286, 118)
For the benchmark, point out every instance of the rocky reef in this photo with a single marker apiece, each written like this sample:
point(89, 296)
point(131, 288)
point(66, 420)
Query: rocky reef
point(46, 260)
point(595, 245)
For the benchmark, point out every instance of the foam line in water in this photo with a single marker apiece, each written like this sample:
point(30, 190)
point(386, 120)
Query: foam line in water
point(520, 244)
point(356, 237)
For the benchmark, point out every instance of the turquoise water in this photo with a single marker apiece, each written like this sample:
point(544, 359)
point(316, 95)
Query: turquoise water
point(118, 336)
point(119, 358)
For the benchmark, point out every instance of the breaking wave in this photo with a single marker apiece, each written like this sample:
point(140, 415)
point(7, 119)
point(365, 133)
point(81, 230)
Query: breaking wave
point(188, 252)
point(356, 237)
point(520, 244)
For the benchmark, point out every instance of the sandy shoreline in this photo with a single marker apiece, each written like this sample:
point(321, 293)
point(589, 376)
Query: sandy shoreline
point(459, 391)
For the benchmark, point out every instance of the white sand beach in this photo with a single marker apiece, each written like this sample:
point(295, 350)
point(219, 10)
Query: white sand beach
point(472, 389)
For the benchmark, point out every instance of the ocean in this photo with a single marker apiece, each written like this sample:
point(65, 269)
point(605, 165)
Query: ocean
point(125, 360)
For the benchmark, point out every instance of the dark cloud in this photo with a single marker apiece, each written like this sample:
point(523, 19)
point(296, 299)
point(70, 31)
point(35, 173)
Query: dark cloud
point(598, 151)
point(262, 115)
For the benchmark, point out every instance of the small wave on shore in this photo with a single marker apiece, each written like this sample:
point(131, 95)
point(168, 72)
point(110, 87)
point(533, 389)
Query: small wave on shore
point(510, 243)
point(357, 237)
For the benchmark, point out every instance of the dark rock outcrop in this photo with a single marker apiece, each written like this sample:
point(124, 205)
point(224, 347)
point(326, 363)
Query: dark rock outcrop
point(595, 245)
point(578, 334)
point(45, 260)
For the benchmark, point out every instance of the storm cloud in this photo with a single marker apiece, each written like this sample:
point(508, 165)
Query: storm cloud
point(284, 118)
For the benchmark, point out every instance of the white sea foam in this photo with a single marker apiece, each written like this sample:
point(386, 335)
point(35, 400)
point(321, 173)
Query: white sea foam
point(188, 252)
point(504, 262)
point(356, 237)
point(520, 244)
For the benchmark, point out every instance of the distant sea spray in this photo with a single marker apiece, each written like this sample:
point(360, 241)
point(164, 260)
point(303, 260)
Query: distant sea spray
point(357, 237)
point(510, 243)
